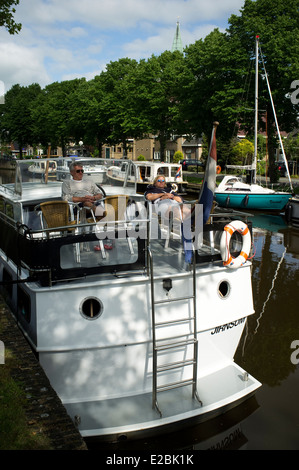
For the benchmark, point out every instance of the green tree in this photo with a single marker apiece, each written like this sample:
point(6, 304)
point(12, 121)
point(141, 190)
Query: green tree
point(117, 104)
point(51, 113)
point(7, 16)
point(16, 120)
point(277, 24)
point(215, 88)
point(243, 152)
point(158, 83)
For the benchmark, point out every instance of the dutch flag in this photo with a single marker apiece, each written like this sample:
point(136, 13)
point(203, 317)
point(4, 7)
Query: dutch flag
point(206, 195)
point(178, 173)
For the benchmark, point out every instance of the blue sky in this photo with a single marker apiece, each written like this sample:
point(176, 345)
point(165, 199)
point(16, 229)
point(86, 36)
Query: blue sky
point(66, 39)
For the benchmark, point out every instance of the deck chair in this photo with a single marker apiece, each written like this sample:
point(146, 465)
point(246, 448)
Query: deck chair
point(59, 216)
point(115, 210)
point(56, 214)
point(160, 226)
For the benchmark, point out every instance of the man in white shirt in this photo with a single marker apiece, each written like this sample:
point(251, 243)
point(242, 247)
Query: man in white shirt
point(82, 190)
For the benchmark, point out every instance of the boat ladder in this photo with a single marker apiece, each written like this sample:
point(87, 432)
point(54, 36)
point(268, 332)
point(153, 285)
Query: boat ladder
point(162, 347)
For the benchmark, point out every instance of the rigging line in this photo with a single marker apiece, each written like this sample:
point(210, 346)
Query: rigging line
point(270, 291)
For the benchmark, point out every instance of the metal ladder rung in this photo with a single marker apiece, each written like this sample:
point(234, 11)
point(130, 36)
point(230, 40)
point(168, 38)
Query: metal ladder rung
point(179, 344)
point(173, 342)
point(171, 386)
point(175, 365)
point(172, 322)
point(177, 299)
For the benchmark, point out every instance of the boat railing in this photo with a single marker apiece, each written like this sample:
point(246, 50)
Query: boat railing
point(61, 254)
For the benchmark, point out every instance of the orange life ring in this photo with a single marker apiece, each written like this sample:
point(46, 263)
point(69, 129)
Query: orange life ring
point(229, 229)
point(218, 169)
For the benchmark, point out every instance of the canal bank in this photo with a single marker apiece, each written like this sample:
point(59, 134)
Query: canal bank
point(44, 412)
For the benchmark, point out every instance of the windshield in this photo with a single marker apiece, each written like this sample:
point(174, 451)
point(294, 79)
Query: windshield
point(114, 176)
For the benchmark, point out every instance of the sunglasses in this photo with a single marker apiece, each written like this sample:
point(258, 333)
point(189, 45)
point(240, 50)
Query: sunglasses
point(161, 181)
point(79, 171)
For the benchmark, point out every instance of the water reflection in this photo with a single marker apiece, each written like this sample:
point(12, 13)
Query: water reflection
point(7, 176)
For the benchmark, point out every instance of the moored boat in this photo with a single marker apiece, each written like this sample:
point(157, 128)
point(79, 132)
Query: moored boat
point(292, 211)
point(142, 173)
point(95, 168)
point(131, 342)
point(233, 192)
point(43, 168)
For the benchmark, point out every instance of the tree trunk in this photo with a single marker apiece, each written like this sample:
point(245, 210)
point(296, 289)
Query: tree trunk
point(162, 141)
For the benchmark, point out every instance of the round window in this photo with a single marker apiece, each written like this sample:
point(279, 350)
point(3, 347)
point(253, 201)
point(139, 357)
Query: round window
point(224, 289)
point(91, 308)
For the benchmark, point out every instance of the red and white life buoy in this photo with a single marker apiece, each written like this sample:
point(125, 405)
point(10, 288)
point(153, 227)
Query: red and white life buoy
point(229, 229)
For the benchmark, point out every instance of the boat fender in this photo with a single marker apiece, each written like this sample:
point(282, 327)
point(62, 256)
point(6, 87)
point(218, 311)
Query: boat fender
point(288, 213)
point(229, 229)
point(218, 169)
point(246, 200)
point(227, 201)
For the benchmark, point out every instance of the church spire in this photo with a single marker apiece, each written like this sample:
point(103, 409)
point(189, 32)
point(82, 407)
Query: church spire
point(177, 44)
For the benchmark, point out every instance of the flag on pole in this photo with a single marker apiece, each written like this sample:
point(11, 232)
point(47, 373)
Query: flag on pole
point(178, 174)
point(206, 195)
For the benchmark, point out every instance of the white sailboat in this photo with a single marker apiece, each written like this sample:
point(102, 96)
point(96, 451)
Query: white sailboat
point(234, 192)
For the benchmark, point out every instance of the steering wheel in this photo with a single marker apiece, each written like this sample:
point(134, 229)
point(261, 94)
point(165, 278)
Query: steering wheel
point(102, 191)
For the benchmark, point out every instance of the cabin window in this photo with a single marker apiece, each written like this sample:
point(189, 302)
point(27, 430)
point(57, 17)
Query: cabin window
point(122, 251)
point(91, 308)
point(9, 210)
point(6, 208)
point(163, 170)
point(174, 171)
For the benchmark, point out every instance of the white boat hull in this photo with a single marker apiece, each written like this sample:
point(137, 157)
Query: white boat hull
point(106, 383)
point(96, 316)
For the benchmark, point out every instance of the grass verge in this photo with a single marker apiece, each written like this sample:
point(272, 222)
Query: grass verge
point(15, 432)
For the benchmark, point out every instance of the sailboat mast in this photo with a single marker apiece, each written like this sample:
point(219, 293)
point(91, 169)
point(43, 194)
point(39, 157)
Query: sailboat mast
point(256, 108)
point(276, 123)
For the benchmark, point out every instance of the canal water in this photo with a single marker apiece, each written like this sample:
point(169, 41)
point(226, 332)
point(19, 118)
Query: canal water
point(269, 350)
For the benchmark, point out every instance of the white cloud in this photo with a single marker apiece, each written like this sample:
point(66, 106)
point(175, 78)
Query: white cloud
point(74, 38)
point(21, 65)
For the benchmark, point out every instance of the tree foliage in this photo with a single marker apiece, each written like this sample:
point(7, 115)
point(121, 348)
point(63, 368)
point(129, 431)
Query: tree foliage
point(16, 118)
point(7, 11)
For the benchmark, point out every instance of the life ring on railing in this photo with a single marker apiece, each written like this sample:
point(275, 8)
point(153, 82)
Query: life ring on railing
point(174, 187)
point(229, 229)
point(218, 169)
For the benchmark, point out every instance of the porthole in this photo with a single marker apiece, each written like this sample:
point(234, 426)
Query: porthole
point(224, 289)
point(91, 308)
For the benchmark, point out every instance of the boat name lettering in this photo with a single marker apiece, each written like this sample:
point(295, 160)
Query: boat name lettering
point(228, 326)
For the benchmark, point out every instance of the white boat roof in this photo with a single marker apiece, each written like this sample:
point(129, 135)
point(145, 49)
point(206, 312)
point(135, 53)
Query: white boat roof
point(35, 187)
